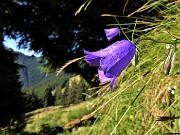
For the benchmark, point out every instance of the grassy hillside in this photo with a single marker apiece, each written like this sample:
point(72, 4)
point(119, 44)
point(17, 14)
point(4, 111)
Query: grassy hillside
point(140, 98)
point(143, 101)
point(55, 116)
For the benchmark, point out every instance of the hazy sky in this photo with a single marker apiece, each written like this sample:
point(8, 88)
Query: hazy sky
point(10, 43)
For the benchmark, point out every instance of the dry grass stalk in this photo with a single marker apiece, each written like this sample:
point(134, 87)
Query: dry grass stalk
point(68, 63)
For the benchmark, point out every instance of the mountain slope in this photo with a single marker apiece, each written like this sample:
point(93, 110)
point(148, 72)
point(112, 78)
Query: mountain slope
point(30, 75)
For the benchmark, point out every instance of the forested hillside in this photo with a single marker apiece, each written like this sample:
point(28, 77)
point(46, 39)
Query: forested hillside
point(30, 75)
point(50, 89)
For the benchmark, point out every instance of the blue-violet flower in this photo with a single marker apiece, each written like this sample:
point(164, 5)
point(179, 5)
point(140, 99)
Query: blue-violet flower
point(113, 59)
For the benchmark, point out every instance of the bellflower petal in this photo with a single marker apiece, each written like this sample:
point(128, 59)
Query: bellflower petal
point(115, 63)
point(92, 59)
point(112, 83)
point(111, 60)
point(102, 76)
point(112, 32)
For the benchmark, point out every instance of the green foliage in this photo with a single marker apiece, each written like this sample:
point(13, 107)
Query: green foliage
point(50, 85)
point(48, 98)
point(73, 93)
point(31, 102)
point(58, 90)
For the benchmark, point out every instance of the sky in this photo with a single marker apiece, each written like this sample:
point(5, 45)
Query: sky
point(11, 43)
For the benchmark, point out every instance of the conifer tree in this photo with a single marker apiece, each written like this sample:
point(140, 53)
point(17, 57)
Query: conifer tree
point(10, 94)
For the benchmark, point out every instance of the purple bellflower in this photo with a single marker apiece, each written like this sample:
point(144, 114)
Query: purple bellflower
point(110, 33)
point(113, 59)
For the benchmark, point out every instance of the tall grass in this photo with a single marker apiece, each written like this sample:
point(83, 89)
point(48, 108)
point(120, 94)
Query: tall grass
point(141, 94)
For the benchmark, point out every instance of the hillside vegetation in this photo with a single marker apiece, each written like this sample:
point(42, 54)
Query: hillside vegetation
point(31, 75)
point(143, 94)
point(145, 100)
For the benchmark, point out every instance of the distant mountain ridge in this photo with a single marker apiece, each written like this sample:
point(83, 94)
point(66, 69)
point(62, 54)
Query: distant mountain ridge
point(30, 75)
